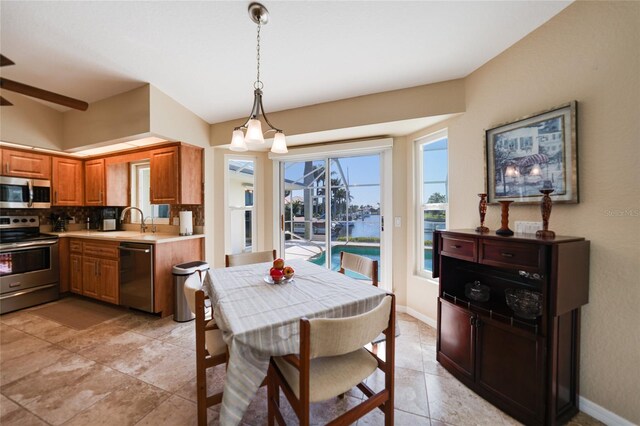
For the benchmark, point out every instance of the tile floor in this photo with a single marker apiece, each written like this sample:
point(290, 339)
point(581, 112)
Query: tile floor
point(137, 369)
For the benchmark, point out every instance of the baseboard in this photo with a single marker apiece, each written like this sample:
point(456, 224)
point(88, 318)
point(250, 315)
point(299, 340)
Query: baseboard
point(600, 413)
point(417, 315)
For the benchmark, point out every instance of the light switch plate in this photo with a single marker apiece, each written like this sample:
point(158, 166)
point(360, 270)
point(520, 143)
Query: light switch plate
point(397, 221)
point(523, 227)
point(176, 221)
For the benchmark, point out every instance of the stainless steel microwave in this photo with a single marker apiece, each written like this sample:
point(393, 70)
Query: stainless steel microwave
point(23, 193)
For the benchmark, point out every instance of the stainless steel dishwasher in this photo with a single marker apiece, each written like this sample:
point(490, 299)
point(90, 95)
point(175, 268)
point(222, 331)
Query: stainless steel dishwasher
point(136, 276)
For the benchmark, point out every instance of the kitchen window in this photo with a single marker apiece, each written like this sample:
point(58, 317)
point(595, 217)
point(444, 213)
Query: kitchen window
point(140, 196)
point(432, 181)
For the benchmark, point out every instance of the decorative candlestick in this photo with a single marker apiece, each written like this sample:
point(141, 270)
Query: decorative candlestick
point(482, 209)
point(504, 225)
point(545, 209)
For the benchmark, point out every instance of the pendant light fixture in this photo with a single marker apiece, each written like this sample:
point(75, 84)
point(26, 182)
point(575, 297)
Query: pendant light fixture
point(253, 127)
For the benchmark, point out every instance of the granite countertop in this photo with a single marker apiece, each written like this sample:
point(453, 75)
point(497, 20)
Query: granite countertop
point(130, 236)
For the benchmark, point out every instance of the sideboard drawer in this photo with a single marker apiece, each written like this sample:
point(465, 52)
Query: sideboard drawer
point(459, 247)
point(512, 255)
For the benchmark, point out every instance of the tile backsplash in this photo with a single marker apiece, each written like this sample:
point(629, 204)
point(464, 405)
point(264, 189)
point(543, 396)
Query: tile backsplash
point(80, 214)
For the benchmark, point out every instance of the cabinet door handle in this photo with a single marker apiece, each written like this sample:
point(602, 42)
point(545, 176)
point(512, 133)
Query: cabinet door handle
point(55, 196)
point(95, 268)
point(456, 246)
point(505, 254)
point(6, 167)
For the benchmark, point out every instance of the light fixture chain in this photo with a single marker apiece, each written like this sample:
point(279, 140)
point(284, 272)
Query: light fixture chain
point(258, 84)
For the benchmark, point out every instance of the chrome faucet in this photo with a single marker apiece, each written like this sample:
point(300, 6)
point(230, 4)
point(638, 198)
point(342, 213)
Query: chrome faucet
point(143, 226)
point(153, 226)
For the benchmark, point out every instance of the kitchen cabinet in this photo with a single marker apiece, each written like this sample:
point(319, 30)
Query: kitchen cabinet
point(90, 282)
point(176, 175)
point(94, 269)
point(94, 264)
point(94, 183)
point(526, 366)
point(25, 164)
point(106, 185)
point(67, 182)
point(75, 273)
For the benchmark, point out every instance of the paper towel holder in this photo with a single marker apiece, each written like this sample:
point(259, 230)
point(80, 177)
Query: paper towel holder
point(186, 223)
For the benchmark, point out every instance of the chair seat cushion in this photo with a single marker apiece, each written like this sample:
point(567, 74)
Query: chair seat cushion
point(331, 376)
point(213, 341)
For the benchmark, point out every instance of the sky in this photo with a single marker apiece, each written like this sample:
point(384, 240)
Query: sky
point(365, 170)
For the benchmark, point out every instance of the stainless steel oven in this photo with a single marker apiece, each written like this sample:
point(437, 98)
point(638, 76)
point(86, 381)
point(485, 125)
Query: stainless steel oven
point(23, 193)
point(29, 264)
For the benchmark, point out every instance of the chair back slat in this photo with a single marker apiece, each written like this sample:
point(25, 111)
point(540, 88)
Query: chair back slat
point(250, 258)
point(338, 336)
point(360, 265)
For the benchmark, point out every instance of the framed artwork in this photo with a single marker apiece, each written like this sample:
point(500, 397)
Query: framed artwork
point(531, 153)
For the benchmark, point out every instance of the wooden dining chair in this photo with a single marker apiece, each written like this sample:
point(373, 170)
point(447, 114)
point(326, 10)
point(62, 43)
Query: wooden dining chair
point(249, 258)
point(359, 264)
point(332, 360)
point(211, 350)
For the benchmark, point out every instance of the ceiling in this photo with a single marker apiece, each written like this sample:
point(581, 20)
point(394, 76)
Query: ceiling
point(202, 54)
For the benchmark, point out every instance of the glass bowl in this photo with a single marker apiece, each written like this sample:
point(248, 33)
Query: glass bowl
point(524, 303)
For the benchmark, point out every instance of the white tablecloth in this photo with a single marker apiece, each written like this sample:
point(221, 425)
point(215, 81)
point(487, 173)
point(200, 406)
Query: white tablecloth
point(259, 320)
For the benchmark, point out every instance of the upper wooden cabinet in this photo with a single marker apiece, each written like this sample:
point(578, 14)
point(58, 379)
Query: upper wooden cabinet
point(176, 175)
point(94, 183)
point(105, 185)
point(25, 164)
point(67, 182)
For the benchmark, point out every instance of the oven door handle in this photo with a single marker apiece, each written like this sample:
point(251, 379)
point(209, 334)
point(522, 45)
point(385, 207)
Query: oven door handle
point(23, 292)
point(30, 184)
point(33, 244)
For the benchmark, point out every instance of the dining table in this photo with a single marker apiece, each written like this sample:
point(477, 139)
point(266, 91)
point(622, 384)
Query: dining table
point(259, 319)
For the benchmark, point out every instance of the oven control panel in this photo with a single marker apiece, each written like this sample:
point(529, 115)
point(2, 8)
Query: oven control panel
point(19, 221)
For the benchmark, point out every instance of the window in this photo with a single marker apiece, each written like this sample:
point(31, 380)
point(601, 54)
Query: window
point(239, 195)
point(432, 195)
point(140, 184)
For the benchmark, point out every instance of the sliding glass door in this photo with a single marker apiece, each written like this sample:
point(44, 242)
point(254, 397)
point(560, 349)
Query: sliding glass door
point(332, 205)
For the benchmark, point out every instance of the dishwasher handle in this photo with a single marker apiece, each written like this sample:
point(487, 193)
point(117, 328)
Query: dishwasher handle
point(134, 249)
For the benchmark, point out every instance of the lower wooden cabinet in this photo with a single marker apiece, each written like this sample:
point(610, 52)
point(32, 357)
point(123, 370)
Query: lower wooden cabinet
point(94, 270)
point(75, 273)
point(108, 282)
point(90, 276)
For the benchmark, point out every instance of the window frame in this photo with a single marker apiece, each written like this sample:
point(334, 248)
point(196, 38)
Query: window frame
point(134, 172)
point(255, 234)
point(421, 206)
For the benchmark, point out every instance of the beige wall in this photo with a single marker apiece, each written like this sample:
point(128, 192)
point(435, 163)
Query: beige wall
point(415, 102)
point(173, 121)
point(590, 52)
point(30, 123)
point(121, 117)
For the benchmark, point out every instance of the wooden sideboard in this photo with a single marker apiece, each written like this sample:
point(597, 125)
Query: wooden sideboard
point(529, 368)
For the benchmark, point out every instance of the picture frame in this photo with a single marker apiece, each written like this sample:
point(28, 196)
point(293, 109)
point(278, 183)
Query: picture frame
point(531, 153)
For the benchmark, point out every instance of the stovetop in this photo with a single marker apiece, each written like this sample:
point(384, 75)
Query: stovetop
point(18, 229)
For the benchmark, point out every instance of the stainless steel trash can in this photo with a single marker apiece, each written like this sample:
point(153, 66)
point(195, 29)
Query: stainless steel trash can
point(181, 310)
